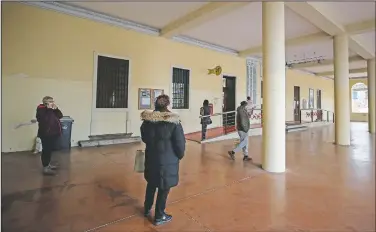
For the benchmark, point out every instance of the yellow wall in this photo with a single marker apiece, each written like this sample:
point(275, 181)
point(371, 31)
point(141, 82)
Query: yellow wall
point(49, 53)
point(307, 81)
point(357, 117)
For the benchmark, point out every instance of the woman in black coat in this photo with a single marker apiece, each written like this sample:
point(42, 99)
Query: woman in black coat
point(163, 135)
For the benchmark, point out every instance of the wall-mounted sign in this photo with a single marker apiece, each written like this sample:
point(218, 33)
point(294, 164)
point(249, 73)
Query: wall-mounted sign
point(155, 94)
point(217, 71)
point(144, 99)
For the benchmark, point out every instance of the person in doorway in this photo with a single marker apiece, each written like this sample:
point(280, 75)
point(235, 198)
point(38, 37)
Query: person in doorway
point(49, 130)
point(205, 119)
point(243, 126)
point(250, 106)
point(163, 135)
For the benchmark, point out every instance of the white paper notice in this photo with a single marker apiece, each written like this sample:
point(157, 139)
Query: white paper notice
point(145, 101)
point(157, 93)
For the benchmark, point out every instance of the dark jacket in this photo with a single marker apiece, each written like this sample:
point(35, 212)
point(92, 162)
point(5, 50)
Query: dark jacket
point(206, 120)
point(48, 121)
point(165, 146)
point(242, 119)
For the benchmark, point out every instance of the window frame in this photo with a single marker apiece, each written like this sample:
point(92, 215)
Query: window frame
point(95, 81)
point(352, 90)
point(172, 87)
point(313, 98)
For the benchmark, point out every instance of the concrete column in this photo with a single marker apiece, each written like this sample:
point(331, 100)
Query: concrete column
point(341, 89)
point(273, 60)
point(371, 95)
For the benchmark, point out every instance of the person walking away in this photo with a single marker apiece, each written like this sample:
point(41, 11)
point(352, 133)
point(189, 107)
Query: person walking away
point(250, 106)
point(205, 121)
point(163, 135)
point(242, 125)
point(49, 130)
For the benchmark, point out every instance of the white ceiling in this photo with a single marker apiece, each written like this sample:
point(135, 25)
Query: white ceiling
point(353, 75)
point(347, 12)
point(367, 40)
point(328, 68)
point(154, 14)
point(241, 28)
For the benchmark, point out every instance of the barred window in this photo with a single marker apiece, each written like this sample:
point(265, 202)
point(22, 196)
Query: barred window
point(252, 79)
point(180, 88)
point(112, 83)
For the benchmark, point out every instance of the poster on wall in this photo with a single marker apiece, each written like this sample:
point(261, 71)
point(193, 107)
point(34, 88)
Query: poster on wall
point(144, 99)
point(311, 99)
point(156, 93)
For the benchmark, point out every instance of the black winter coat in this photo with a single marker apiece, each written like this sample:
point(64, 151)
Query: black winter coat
point(165, 146)
point(48, 121)
point(206, 120)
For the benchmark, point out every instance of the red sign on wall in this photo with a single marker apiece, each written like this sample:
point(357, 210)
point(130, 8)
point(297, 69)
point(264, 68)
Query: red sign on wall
point(211, 108)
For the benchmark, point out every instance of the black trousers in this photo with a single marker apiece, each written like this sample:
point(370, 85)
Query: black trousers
point(48, 144)
point(161, 200)
point(203, 131)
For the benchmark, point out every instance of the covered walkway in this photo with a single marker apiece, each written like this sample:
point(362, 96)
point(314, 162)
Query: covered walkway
point(325, 187)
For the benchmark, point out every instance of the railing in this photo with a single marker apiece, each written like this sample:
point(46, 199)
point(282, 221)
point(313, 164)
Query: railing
point(315, 115)
point(225, 123)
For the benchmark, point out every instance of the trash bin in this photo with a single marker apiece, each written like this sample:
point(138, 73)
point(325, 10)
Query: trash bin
point(64, 141)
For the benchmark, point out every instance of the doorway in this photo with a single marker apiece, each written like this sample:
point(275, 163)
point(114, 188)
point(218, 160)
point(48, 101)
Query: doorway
point(318, 100)
point(229, 104)
point(297, 103)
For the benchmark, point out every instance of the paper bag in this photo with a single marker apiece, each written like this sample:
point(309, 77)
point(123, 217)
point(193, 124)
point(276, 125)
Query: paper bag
point(139, 162)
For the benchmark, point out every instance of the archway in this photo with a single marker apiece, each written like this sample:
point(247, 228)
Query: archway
point(359, 98)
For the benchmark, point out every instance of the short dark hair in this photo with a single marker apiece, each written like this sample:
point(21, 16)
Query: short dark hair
point(205, 103)
point(162, 102)
point(248, 98)
point(243, 103)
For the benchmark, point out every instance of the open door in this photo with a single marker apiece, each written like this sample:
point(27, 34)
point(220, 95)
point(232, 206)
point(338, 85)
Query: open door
point(297, 103)
point(229, 104)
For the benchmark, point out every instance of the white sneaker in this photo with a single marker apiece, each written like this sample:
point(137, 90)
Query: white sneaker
point(52, 167)
point(48, 171)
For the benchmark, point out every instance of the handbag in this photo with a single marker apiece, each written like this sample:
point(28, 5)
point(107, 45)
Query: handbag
point(139, 161)
point(209, 121)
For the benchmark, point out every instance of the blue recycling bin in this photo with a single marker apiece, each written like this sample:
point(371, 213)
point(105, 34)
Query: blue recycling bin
point(64, 141)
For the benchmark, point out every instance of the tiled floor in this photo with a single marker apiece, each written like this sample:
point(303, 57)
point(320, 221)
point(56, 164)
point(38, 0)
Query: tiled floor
point(325, 188)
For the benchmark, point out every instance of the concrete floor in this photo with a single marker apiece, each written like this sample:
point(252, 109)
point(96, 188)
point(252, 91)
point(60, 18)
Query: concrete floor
point(325, 188)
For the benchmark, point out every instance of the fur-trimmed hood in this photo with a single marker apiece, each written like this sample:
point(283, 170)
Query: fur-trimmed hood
point(157, 116)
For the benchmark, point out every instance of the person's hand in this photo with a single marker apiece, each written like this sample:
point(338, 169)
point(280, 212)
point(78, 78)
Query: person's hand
point(54, 106)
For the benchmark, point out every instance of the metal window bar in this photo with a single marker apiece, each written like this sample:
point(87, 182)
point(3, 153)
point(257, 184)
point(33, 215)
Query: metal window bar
point(180, 88)
point(252, 79)
point(112, 83)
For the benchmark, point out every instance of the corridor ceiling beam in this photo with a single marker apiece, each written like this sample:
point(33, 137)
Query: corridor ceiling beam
point(364, 77)
point(195, 18)
point(361, 27)
point(351, 71)
point(323, 63)
point(310, 11)
point(298, 41)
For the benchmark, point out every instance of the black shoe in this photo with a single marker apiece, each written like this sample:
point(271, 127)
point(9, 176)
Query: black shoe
point(146, 213)
point(164, 219)
point(231, 154)
point(246, 158)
